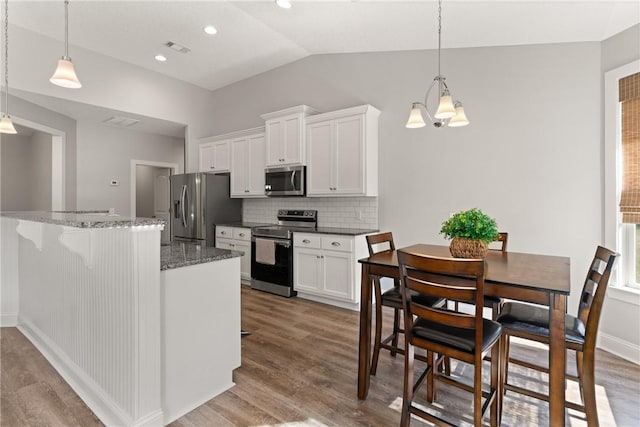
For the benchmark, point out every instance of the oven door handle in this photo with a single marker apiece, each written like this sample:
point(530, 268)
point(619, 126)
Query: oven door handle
point(285, 243)
point(293, 177)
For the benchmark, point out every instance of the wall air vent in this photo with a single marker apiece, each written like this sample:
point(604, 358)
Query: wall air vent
point(177, 47)
point(121, 122)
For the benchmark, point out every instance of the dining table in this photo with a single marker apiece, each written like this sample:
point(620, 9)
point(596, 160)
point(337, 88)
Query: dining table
point(533, 278)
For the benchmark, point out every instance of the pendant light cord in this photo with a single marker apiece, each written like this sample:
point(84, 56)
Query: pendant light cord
point(439, 31)
point(66, 29)
point(6, 58)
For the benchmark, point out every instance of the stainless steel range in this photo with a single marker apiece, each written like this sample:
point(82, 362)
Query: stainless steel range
point(272, 251)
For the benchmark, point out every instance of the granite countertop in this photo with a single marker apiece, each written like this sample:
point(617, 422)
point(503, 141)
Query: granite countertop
point(83, 219)
point(245, 224)
point(340, 231)
point(182, 254)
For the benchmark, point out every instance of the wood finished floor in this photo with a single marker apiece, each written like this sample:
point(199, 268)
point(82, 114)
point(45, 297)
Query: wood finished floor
point(299, 368)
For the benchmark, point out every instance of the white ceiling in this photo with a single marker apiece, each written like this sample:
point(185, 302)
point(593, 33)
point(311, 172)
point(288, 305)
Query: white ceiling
point(256, 36)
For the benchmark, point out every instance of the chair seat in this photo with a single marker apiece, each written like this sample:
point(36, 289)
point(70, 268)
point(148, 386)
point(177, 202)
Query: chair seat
point(459, 338)
point(393, 298)
point(533, 319)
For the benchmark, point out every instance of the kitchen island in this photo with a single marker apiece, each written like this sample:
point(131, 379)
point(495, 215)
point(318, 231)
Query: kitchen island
point(141, 337)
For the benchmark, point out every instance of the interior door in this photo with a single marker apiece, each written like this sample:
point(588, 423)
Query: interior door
point(162, 202)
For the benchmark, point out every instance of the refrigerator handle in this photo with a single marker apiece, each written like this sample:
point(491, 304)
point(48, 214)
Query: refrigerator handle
point(183, 202)
point(176, 213)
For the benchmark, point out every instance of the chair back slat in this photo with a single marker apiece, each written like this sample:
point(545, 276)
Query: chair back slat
point(455, 278)
point(500, 244)
point(594, 290)
point(380, 242)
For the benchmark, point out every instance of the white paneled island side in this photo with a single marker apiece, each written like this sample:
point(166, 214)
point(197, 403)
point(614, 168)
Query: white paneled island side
point(143, 334)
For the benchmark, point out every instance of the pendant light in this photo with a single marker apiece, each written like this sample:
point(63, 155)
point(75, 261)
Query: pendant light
point(6, 125)
point(449, 112)
point(65, 75)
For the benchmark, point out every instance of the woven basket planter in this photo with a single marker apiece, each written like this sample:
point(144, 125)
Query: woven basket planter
point(468, 248)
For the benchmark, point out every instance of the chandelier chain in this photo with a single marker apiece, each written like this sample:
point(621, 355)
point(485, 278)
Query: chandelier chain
point(66, 29)
point(439, 31)
point(6, 57)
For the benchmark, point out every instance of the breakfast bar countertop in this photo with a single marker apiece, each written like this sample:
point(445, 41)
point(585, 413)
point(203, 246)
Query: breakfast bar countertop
point(83, 219)
point(182, 254)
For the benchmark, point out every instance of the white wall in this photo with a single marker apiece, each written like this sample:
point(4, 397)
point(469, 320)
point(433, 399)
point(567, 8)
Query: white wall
point(531, 157)
point(105, 154)
point(26, 172)
point(113, 84)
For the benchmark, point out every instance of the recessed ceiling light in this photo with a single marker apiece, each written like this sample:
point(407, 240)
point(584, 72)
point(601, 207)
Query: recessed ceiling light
point(210, 29)
point(285, 4)
point(161, 58)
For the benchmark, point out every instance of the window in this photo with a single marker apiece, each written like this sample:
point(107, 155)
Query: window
point(622, 170)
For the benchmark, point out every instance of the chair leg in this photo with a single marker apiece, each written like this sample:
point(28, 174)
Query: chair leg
point(579, 369)
point(588, 381)
point(495, 383)
point(378, 336)
point(477, 393)
point(505, 361)
point(396, 330)
point(431, 392)
point(407, 393)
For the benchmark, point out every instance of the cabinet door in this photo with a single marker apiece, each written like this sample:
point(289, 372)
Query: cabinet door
point(274, 134)
point(349, 155)
point(293, 139)
point(239, 168)
point(319, 158)
point(221, 156)
point(256, 165)
point(224, 244)
point(206, 153)
point(307, 270)
point(245, 261)
point(338, 275)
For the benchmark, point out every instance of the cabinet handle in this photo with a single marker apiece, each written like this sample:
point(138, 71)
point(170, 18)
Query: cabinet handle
point(212, 167)
point(318, 256)
point(335, 243)
point(241, 234)
point(223, 232)
point(306, 241)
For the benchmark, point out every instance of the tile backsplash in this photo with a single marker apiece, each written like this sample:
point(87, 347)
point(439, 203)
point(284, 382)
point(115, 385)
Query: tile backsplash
point(347, 212)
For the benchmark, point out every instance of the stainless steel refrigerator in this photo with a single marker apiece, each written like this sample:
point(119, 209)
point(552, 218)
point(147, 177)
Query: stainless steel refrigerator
point(199, 202)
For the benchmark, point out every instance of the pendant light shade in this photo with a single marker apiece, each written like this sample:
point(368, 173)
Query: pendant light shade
point(6, 125)
point(460, 119)
point(65, 74)
point(415, 117)
point(449, 112)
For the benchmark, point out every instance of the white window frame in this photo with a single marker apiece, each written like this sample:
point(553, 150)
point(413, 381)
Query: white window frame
point(617, 235)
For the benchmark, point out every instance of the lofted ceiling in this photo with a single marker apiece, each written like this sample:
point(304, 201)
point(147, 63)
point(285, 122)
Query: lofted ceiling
point(256, 36)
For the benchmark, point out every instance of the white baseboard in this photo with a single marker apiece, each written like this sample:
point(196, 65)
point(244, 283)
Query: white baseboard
point(329, 301)
point(185, 410)
point(615, 345)
point(102, 405)
point(9, 320)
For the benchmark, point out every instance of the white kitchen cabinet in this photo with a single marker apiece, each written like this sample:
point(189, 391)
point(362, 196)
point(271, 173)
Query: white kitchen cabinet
point(247, 166)
point(285, 136)
point(342, 153)
point(237, 239)
point(326, 268)
point(215, 156)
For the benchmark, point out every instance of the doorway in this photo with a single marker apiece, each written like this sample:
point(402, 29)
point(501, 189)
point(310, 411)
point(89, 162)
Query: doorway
point(151, 192)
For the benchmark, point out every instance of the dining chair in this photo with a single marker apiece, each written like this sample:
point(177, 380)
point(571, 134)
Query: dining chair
point(450, 334)
point(531, 322)
point(377, 243)
point(494, 303)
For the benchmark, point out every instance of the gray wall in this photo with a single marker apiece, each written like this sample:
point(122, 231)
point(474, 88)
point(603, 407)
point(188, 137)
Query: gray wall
point(25, 172)
point(145, 195)
point(531, 156)
point(105, 154)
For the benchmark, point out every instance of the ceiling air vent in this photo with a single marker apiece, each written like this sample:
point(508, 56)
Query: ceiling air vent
point(177, 47)
point(121, 122)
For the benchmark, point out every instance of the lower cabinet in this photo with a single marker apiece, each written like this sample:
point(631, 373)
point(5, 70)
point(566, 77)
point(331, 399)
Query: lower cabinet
point(326, 268)
point(237, 239)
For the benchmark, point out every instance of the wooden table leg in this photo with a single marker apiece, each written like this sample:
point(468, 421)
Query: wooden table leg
point(557, 359)
point(364, 347)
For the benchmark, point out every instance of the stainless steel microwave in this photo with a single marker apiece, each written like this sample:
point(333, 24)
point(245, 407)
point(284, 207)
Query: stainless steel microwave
point(285, 181)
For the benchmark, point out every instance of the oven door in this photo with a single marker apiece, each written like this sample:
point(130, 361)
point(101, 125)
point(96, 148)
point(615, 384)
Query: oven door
point(281, 272)
point(287, 181)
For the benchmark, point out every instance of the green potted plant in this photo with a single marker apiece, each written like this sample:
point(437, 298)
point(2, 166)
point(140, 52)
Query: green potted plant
point(470, 232)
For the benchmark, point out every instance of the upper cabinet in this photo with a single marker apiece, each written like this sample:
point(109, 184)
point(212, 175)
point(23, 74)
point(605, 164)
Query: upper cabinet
point(285, 136)
point(342, 152)
point(247, 165)
point(215, 155)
